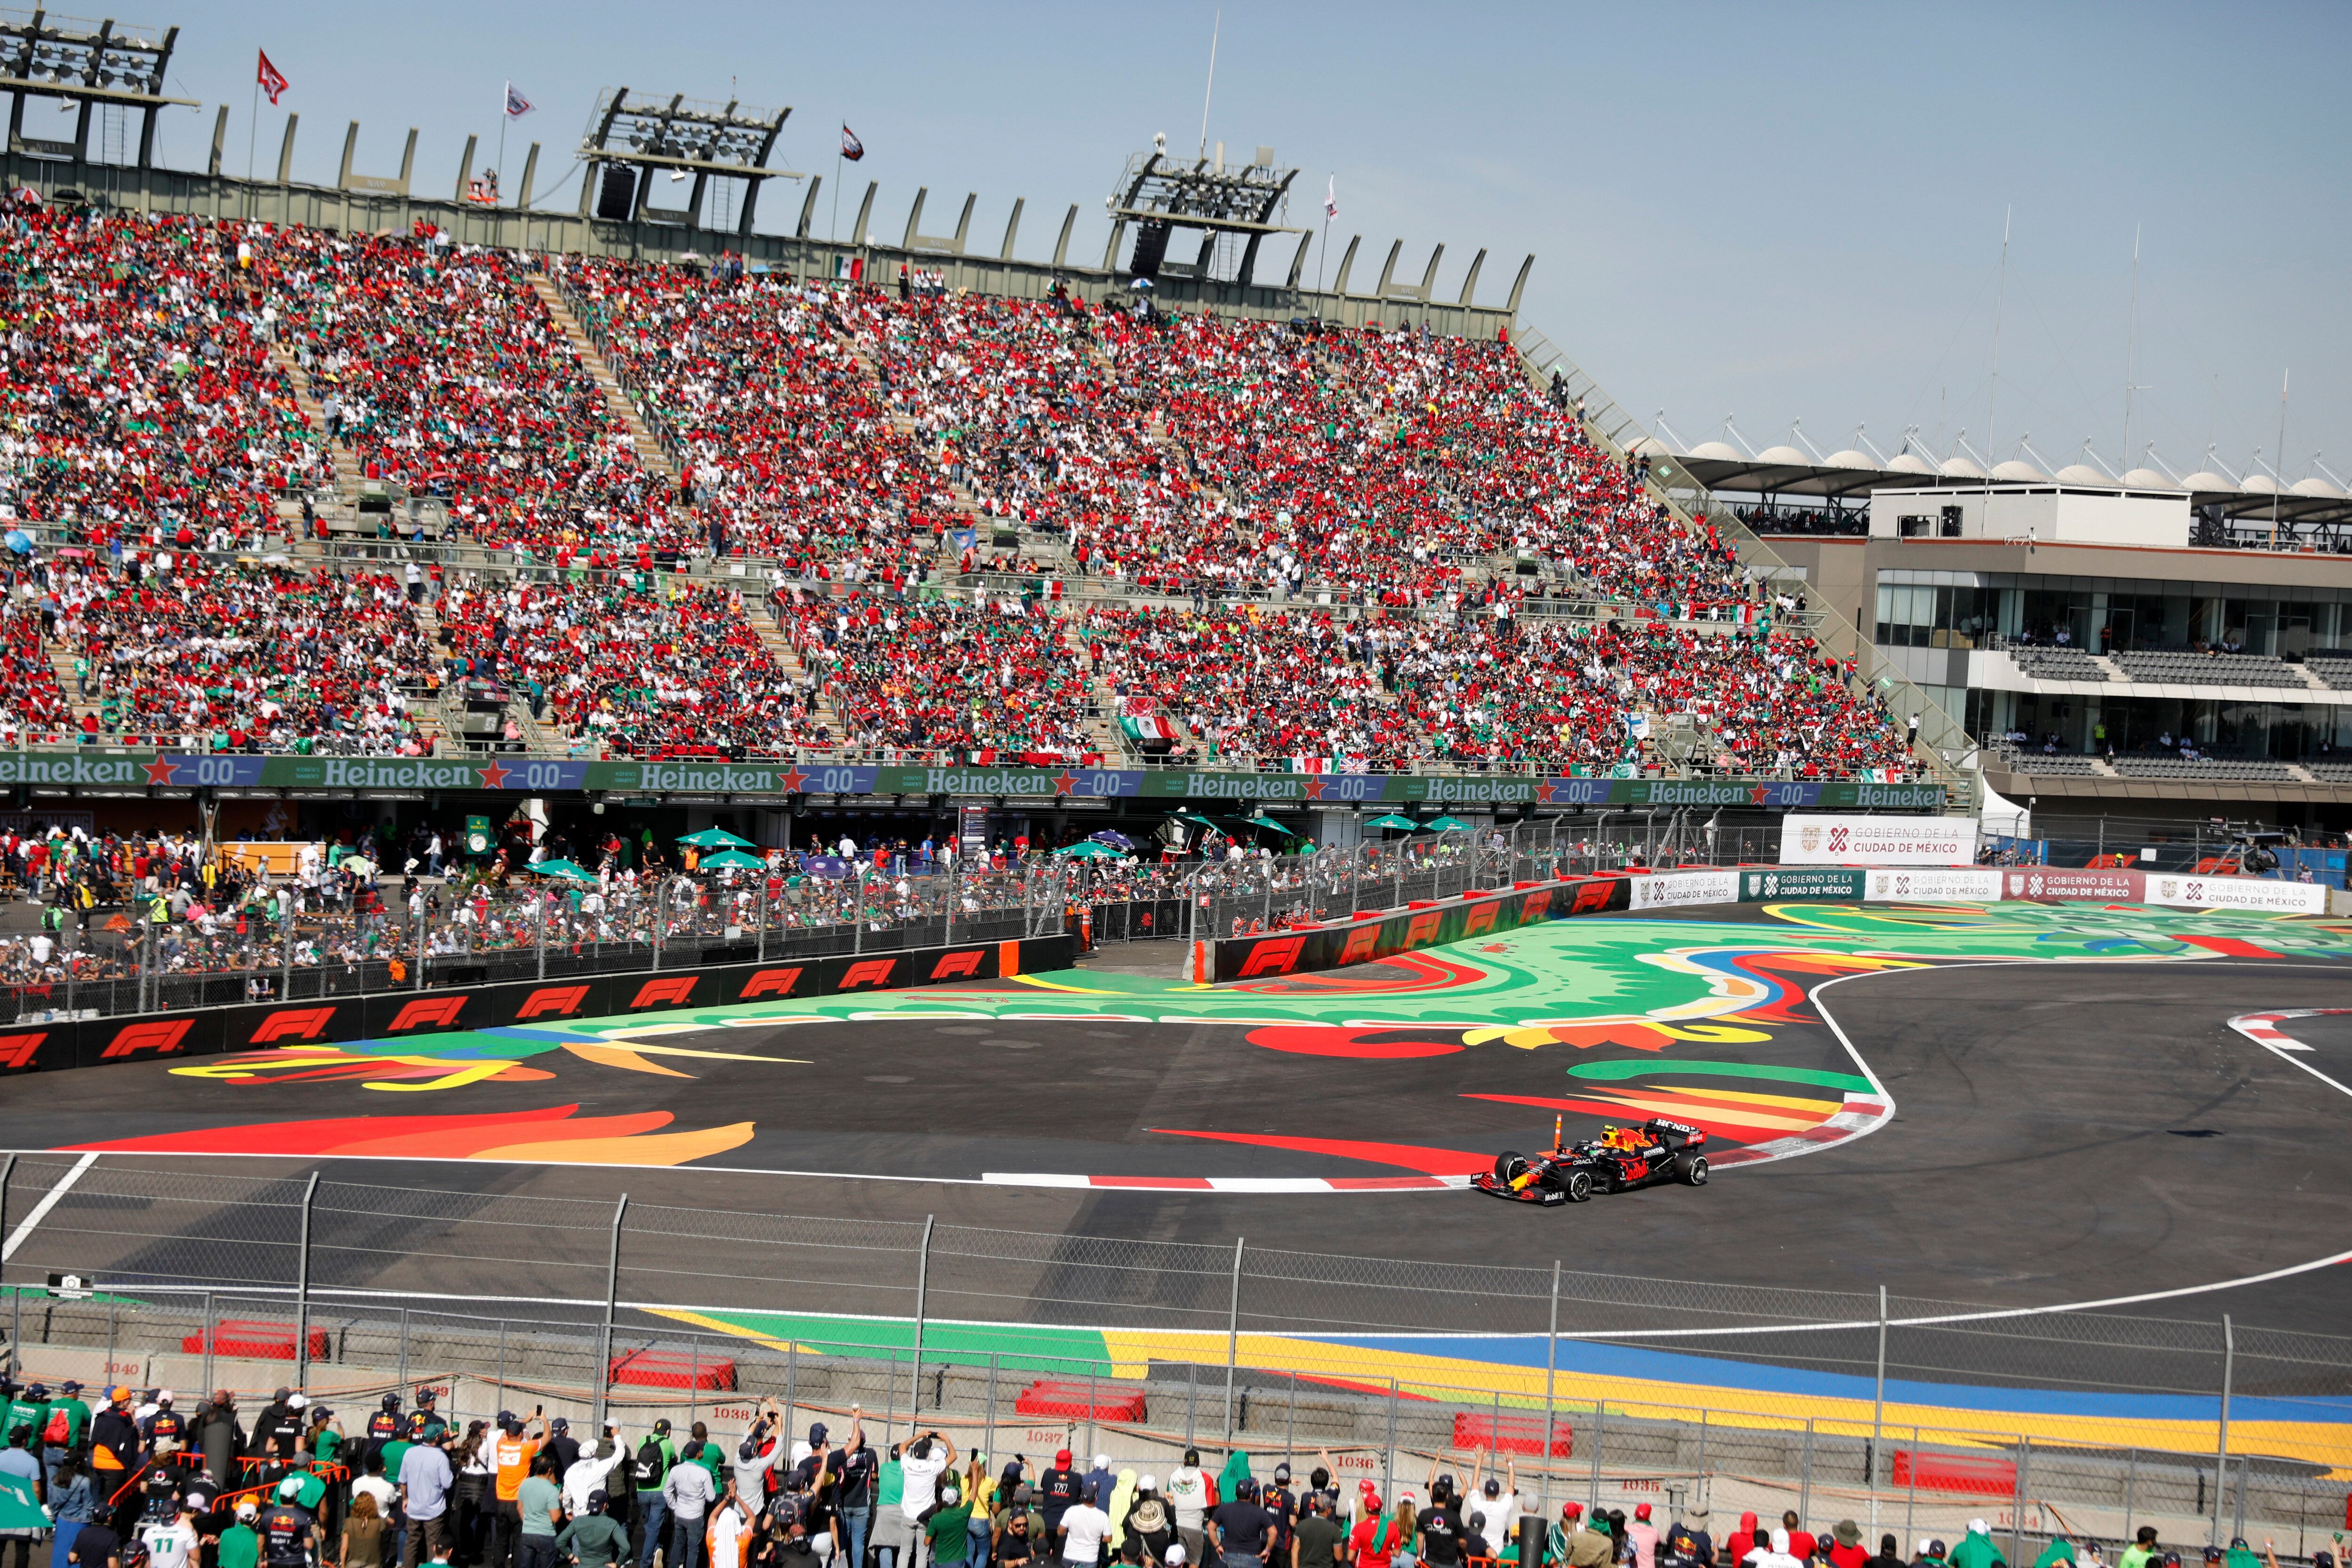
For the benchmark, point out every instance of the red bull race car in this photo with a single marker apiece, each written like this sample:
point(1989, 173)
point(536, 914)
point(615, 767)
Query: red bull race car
point(1621, 1159)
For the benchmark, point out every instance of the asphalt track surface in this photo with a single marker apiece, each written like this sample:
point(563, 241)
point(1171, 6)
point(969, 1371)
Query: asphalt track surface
point(2063, 1134)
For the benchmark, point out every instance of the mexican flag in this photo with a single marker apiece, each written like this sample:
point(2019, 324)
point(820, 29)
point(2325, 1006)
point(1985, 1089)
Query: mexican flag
point(1147, 726)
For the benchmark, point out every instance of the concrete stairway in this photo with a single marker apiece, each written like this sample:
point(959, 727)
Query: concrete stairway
point(649, 449)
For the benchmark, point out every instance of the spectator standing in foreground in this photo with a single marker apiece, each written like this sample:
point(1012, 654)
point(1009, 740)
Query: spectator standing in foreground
point(539, 1502)
point(1082, 1532)
point(425, 1483)
point(688, 1490)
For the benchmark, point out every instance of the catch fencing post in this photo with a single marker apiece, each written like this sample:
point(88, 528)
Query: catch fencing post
point(1911, 1497)
point(922, 1291)
point(988, 1445)
point(302, 1287)
point(2131, 1485)
point(403, 1348)
point(1805, 1481)
point(2017, 1506)
point(1388, 1459)
point(502, 1364)
point(761, 900)
point(542, 940)
point(211, 1331)
point(421, 924)
point(612, 1300)
point(1599, 1424)
point(1290, 1431)
point(1877, 1412)
point(2221, 1471)
point(1551, 1369)
point(1232, 1336)
point(286, 959)
point(792, 1379)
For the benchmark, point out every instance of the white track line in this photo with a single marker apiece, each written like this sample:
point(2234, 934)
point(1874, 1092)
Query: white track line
point(48, 1200)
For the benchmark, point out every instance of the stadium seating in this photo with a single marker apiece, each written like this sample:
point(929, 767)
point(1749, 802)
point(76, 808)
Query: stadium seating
point(137, 393)
point(453, 379)
point(248, 655)
point(2059, 664)
point(1339, 526)
point(2181, 668)
point(626, 660)
point(30, 700)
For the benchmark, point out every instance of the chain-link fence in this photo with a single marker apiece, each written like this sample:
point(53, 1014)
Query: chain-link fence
point(1835, 1403)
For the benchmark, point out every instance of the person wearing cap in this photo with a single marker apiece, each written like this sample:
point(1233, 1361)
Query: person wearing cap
point(425, 1480)
point(1318, 1541)
point(240, 1544)
point(1377, 1534)
point(1438, 1529)
point(592, 1540)
point(1845, 1548)
point(57, 1442)
point(651, 1469)
point(589, 1473)
point(1492, 1508)
point(2241, 1555)
point(1147, 1528)
point(1018, 1507)
point(1188, 1498)
point(1931, 1555)
point(114, 1437)
point(855, 1467)
point(513, 1454)
point(762, 1452)
point(1281, 1502)
point(1641, 1537)
point(1976, 1549)
point(17, 1460)
point(28, 1408)
point(1240, 1529)
point(1686, 1543)
point(291, 1536)
point(1080, 1535)
point(1595, 1546)
point(425, 1422)
point(563, 1449)
point(1058, 1490)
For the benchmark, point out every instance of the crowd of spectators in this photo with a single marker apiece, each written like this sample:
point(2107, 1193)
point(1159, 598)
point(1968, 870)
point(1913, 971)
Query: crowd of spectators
point(136, 387)
point(1381, 488)
point(647, 664)
point(242, 654)
point(993, 681)
point(441, 369)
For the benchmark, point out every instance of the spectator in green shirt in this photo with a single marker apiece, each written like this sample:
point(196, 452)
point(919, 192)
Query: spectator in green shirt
point(2137, 1554)
point(239, 1546)
point(947, 1526)
point(593, 1540)
point(541, 1502)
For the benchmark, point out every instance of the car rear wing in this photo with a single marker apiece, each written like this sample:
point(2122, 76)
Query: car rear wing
point(1672, 1134)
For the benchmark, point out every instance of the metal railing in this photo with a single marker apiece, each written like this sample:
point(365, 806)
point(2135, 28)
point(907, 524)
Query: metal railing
point(1830, 1402)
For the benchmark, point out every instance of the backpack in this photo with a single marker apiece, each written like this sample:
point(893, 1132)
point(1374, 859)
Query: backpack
point(59, 1429)
point(649, 1466)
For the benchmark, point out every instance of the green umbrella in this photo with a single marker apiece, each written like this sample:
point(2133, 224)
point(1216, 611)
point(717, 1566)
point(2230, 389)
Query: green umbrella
point(571, 869)
point(731, 860)
point(1087, 850)
point(1262, 820)
point(1393, 820)
point(715, 839)
point(1446, 825)
point(1188, 816)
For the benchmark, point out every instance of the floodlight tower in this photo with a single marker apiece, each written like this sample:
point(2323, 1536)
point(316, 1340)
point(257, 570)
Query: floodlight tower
point(1160, 196)
point(628, 138)
point(117, 65)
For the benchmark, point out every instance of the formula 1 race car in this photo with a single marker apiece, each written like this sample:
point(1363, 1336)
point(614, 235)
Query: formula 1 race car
point(1621, 1159)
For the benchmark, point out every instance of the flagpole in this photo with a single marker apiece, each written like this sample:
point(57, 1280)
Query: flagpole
point(505, 100)
point(833, 223)
point(252, 122)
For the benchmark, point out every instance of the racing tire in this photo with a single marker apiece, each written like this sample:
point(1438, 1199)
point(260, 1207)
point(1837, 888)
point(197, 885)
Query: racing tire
point(1578, 1186)
point(1510, 1166)
point(1691, 1170)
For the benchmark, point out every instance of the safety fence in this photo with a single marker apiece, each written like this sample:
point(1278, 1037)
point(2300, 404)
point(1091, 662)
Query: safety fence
point(1604, 1386)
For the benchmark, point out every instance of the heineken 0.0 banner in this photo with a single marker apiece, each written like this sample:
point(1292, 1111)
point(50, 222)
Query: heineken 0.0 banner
point(109, 770)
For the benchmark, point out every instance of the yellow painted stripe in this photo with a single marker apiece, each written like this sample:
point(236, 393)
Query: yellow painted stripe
point(1673, 1107)
point(1792, 1101)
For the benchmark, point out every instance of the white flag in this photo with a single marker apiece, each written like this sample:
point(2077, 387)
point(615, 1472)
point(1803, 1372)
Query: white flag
point(1331, 199)
point(516, 104)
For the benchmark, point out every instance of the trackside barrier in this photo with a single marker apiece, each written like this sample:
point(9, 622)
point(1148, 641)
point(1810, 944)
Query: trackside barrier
point(1334, 944)
point(99, 1042)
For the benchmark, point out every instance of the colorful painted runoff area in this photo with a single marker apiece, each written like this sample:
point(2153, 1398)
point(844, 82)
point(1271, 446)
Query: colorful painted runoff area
point(1681, 1017)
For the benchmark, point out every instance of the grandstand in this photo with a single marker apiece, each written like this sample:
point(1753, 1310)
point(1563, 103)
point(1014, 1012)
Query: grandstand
point(346, 470)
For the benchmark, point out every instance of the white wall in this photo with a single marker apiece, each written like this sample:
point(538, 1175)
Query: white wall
point(2054, 515)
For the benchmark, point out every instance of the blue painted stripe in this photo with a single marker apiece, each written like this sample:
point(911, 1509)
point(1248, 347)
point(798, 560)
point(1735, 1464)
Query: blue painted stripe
point(1696, 1373)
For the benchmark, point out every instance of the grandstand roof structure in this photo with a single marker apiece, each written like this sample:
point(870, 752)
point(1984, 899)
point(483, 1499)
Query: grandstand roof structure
point(86, 64)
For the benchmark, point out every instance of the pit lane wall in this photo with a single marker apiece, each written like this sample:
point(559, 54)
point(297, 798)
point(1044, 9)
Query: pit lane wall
point(388, 1016)
point(1383, 934)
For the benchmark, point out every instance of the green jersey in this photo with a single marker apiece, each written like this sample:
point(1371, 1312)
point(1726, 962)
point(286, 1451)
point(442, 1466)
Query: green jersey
point(240, 1547)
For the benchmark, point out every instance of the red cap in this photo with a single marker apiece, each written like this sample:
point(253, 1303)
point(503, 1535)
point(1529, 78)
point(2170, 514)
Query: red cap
point(1571, 1511)
point(1062, 1457)
point(1643, 1511)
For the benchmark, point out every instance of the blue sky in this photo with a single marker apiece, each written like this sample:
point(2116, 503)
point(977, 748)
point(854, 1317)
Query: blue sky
point(1778, 212)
